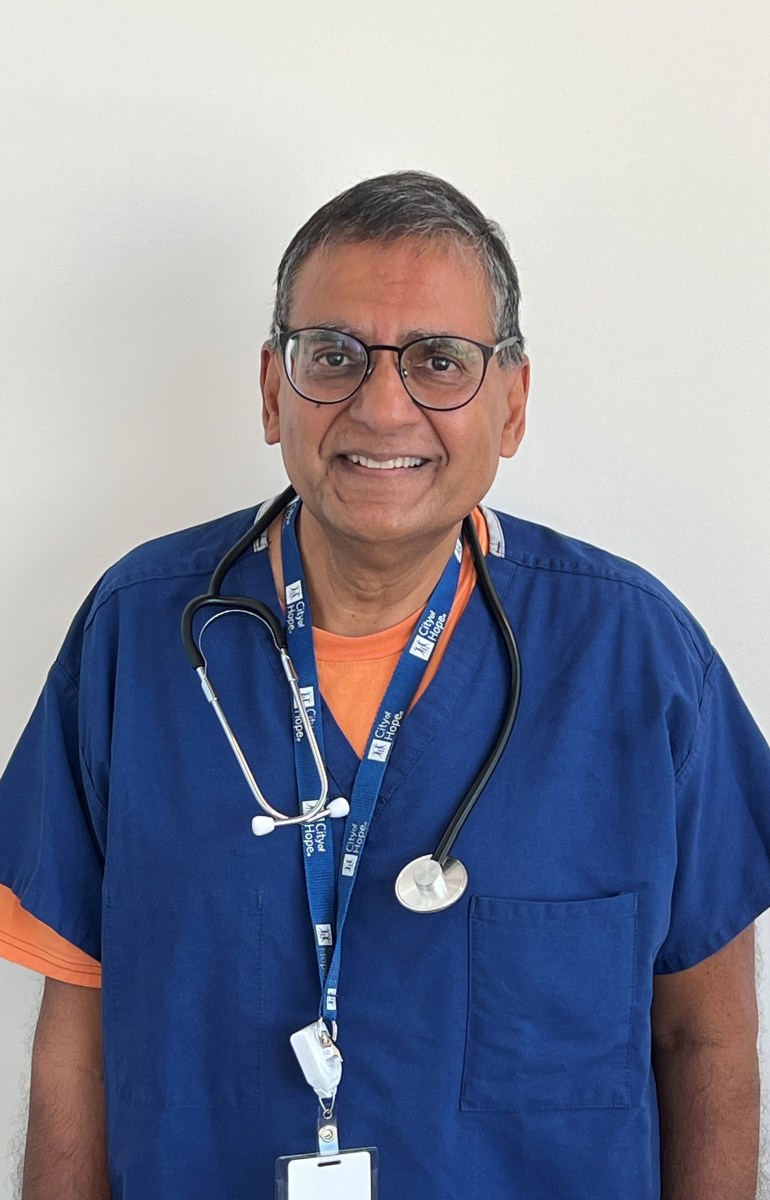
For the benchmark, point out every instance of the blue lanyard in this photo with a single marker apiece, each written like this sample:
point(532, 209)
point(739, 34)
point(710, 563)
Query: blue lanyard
point(320, 873)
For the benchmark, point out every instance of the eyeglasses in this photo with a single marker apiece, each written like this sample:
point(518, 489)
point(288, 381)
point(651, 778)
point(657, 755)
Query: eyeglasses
point(441, 372)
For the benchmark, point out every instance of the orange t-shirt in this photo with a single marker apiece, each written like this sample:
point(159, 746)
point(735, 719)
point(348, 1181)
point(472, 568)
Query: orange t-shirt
point(353, 673)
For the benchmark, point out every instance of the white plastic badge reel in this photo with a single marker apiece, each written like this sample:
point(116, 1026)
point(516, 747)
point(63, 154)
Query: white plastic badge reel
point(320, 1060)
point(330, 1174)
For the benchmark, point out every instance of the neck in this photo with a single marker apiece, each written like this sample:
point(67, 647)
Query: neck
point(360, 588)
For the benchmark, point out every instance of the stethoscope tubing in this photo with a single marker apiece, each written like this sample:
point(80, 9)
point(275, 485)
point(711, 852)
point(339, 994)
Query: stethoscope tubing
point(467, 804)
point(213, 599)
point(264, 521)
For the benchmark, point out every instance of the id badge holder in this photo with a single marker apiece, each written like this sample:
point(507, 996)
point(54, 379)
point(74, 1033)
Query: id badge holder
point(348, 1175)
point(331, 1174)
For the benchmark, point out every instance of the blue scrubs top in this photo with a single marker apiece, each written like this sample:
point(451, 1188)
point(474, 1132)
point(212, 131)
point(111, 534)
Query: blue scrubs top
point(498, 1049)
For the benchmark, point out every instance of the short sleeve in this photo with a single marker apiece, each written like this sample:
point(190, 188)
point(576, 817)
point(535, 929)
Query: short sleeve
point(722, 880)
point(52, 823)
point(29, 943)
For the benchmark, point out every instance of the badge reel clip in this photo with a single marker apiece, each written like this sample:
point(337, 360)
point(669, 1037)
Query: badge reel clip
point(321, 1064)
point(330, 1174)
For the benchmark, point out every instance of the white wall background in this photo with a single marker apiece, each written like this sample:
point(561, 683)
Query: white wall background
point(156, 158)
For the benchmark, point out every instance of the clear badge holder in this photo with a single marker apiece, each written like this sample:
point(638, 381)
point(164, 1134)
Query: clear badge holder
point(347, 1175)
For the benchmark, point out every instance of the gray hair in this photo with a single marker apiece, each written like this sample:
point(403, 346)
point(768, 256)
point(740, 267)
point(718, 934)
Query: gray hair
point(408, 204)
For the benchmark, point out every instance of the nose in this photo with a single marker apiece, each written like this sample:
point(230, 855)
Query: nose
point(382, 402)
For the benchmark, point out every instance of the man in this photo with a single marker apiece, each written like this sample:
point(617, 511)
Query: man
point(584, 1013)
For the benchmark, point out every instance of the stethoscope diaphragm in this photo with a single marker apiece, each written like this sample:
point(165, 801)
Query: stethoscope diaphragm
point(424, 885)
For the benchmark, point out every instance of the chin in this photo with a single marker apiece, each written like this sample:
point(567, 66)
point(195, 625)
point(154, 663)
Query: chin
point(392, 528)
point(369, 523)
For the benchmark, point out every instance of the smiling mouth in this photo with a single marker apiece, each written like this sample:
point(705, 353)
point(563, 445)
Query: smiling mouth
point(388, 464)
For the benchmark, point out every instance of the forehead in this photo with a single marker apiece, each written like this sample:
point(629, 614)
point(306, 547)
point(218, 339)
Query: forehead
point(387, 290)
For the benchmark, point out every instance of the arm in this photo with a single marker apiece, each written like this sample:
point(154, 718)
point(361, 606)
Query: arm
point(66, 1154)
point(704, 1053)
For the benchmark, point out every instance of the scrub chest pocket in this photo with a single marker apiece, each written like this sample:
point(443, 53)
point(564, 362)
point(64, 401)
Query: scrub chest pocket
point(550, 1001)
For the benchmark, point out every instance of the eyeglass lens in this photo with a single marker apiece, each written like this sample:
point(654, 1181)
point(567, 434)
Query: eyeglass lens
point(438, 372)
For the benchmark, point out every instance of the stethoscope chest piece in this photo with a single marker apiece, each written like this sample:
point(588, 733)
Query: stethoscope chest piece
point(425, 886)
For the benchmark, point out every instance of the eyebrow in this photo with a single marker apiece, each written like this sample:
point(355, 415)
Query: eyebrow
point(362, 334)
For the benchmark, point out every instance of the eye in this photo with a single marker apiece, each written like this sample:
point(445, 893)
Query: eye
point(331, 358)
point(325, 353)
point(434, 357)
point(440, 362)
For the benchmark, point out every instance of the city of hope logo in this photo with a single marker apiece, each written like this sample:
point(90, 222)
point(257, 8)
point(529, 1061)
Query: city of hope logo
point(421, 648)
point(308, 696)
point(379, 750)
point(349, 864)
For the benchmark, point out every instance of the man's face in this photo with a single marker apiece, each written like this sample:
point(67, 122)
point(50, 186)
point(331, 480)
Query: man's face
point(390, 293)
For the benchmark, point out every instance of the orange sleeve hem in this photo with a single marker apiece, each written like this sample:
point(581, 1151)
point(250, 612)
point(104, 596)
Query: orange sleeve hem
point(31, 943)
point(29, 956)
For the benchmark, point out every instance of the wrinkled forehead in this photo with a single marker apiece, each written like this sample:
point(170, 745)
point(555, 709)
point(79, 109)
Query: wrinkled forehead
point(437, 282)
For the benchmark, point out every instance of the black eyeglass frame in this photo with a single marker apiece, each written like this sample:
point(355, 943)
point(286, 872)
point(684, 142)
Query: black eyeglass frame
point(488, 352)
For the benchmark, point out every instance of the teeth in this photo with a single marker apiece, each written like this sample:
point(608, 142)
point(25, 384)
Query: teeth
point(389, 465)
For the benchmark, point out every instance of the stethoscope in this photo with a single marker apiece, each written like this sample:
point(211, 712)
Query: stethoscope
point(431, 882)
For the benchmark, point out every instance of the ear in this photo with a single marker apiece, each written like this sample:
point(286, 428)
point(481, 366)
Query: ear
point(516, 404)
point(270, 384)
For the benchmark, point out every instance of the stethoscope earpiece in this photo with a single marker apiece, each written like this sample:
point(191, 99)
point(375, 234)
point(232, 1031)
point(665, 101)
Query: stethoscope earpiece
point(336, 808)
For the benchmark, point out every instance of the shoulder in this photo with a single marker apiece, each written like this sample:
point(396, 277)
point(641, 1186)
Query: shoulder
point(163, 572)
point(187, 554)
point(590, 577)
